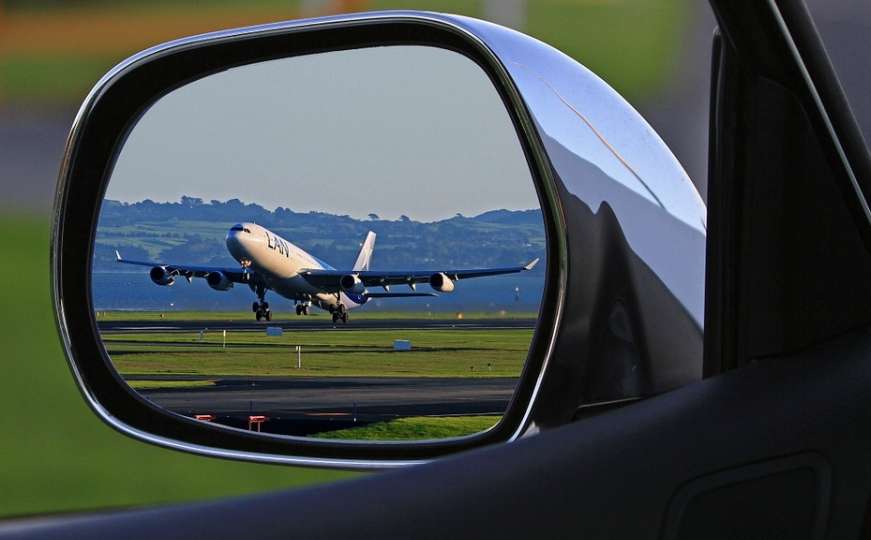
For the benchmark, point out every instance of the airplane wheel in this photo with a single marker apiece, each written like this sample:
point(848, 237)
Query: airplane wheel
point(335, 317)
point(265, 306)
point(341, 308)
point(305, 310)
point(259, 315)
point(298, 310)
point(268, 315)
point(345, 317)
point(255, 307)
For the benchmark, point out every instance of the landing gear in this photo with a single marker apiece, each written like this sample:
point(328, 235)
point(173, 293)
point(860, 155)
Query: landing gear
point(262, 311)
point(261, 307)
point(340, 314)
point(302, 309)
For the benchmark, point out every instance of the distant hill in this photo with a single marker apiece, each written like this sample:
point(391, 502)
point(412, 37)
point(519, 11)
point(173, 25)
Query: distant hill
point(192, 231)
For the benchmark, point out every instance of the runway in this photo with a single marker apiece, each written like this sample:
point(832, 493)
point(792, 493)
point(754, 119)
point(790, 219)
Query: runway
point(320, 324)
point(305, 405)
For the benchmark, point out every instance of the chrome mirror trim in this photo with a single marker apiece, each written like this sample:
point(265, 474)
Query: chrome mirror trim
point(580, 125)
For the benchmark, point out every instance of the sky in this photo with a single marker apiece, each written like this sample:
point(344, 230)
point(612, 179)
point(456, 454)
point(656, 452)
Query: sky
point(410, 130)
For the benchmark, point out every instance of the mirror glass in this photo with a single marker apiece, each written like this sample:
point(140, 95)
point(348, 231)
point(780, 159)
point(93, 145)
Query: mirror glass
point(344, 245)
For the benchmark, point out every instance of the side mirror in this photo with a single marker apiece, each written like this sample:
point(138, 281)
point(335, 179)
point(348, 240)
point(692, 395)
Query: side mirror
point(586, 243)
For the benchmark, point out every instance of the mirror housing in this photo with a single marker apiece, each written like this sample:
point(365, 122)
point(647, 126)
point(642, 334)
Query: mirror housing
point(622, 309)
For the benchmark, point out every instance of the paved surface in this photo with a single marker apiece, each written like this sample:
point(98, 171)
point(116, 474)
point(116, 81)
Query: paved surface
point(303, 405)
point(306, 405)
point(31, 146)
point(322, 324)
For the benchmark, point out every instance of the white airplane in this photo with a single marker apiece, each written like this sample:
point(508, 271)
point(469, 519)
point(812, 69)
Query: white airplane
point(269, 262)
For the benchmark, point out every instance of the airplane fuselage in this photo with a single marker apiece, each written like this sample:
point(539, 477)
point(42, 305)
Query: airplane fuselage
point(278, 263)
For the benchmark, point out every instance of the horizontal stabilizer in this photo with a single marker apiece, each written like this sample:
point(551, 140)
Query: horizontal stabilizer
point(531, 264)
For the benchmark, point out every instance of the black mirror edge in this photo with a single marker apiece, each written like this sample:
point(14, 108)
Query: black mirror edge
point(104, 120)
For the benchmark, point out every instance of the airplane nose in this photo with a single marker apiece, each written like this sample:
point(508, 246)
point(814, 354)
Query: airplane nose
point(236, 244)
point(242, 241)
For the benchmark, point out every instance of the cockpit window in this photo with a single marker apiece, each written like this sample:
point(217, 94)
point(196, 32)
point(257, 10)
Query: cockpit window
point(240, 228)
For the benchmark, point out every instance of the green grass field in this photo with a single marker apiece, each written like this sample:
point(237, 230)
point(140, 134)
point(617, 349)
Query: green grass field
point(367, 353)
point(160, 385)
point(415, 428)
point(57, 455)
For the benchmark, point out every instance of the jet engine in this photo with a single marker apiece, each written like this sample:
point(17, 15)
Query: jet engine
point(441, 282)
point(352, 283)
point(218, 281)
point(160, 276)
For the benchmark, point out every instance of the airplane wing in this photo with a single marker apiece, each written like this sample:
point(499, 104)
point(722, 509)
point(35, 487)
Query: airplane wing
point(236, 275)
point(329, 279)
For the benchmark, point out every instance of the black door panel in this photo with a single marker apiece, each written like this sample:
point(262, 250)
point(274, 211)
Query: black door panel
point(612, 476)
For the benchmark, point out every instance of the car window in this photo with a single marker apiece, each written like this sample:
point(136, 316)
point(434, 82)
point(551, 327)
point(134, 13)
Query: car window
point(844, 26)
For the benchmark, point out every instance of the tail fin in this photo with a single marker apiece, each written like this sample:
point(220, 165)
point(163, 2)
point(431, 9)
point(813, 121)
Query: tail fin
point(365, 252)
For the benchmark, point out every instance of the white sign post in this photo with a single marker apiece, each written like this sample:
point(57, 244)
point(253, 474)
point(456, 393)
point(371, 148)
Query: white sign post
point(299, 357)
point(224, 343)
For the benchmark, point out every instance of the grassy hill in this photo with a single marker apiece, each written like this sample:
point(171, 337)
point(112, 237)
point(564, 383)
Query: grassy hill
point(193, 231)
